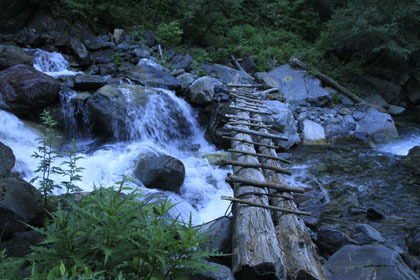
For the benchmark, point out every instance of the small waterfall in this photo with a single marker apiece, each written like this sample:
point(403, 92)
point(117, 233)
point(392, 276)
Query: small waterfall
point(51, 63)
point(409, 138)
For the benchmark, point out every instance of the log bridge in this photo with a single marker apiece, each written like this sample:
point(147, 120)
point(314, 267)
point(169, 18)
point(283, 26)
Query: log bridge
point(270, 239)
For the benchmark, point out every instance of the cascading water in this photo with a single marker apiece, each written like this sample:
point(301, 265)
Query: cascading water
point(165, 125)
point(51, 63)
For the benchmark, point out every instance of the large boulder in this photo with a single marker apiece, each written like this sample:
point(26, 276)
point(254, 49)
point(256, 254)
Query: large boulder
point(162, 172)
point(7, 160)
point(215, 128)
point(19, 204)
point(388, 90)
point(331, 239)
point(227, 74)
point(219, 272)
point(186, 79)
point(19, 245)
point(12, 55)
point(412, 160)
point(14, 14)
point(366, 234)
point(202, 90)
point(220, 235)
point(24, 89)
point(377, 126)
point(313, 133)
point(298, 87)
point(151, 74)
point(78, 48)
point(182, 61)
point(89, 82)
point(367, 262)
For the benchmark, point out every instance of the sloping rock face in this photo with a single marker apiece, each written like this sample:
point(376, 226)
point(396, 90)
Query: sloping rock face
point(298, 87)
point(227, 75)
point(377, 126)
point(13, 55)
point(161, 172)
point(23, 89)
point(389, 91)
point(367, 262)
point(14, 14)
point(7, 160)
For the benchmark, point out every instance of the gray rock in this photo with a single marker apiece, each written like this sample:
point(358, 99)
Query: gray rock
point(395, 110)
point(215, 128)
point(186, 79)
point(78, 48)
point(161, 172)
point(299, 88)
point(19, 245)
point(411, 161)
point(331, 239)
point(267, 80)
point(220, 235)
point(141, 53)
point(248, 64)
point(367, 262)
point(150, 38)
point(151, 74)
point(366, 234)
point(182, 61)
point(220, 272)
point(98, 43)
point(107, 68)
point(412, 91)
point(228, 75)
point(7, 160)
point(23, 89)
point(413, 242)
point(89, 82)
point(203, 89)
point(100, 56)
point(19, 203)
point(388, 90)
point(349, 119)
point(14, 14)
point(118, 35)
point(358, 115)
point(12, 55)
point(313, 133)
point(377, 126)
point(377, 100)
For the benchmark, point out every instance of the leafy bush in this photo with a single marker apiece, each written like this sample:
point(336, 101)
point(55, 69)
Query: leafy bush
point(169, 34)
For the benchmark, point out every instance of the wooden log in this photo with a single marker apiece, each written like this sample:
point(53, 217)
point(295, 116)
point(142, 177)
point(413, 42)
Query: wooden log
point(245, 94)
point(244, 85)
point(247, 98)
point(303, 213)
point(239, 100)
point(269, 90)
point(327, 80)
point(254, 132)
point(261, 155)
point(245, 105)
point(250, 124)
point(249, 110)
point(264, 184)
point(267, 194)
point(249, 142)
point(255, 250)
point(256, 165)
point(299, 253)
point(236, 63)
point(247, 119)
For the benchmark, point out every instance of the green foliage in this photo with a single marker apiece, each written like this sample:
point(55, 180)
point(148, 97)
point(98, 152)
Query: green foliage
point(119, 237)
point(169, 34)
point(46, 155)
point(116, 58)
point(73, 171)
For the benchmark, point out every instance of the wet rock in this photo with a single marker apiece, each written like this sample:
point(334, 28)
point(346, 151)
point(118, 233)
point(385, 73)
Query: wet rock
point(152, 74)
point(331, 239)
point(182, 61)
point(19, 245)
point(12, 55)
point(203, 89)
point(313, 133)
point(411, 161)
point(14, 14)
point(220, 272)
point(377, 126)
point(19, 204)
point(161, 172)
point(78, 48)
point(298, 88)
point(366, 234)
point(7, 160)
point(215, 128)
point(216, 159)
point(367, 262)
point(228, 75)
point(23, 89)
point(373, 214)
point(220, 235)
point(413, 242)
point(89, 82)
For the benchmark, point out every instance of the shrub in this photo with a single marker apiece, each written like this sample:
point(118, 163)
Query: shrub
point(169, 34)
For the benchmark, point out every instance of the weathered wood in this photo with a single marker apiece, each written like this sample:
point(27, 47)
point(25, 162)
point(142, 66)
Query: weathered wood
point(246, 98)
point(264, 184)
point(303, 213)
point(250, 124)
point(239, 100)
point(267, 194)
point(244, 85)
point(247, 119)
point(256, 165)
point(269, 90)
point(249, 110)
point(249, 106)
point(254, 132)
point(235, 61)
point(249, 142)
point(246, 94)
point(261, 155)
point(255, 250)
point(300, 255)
point(327, 80)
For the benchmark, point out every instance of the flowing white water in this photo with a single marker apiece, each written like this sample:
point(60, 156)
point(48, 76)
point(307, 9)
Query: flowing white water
point(155, 128)
point(402, 146)
point(52, 63)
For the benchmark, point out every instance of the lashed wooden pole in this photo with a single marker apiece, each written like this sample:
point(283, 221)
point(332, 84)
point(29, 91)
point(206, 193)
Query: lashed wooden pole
point(299, 254)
